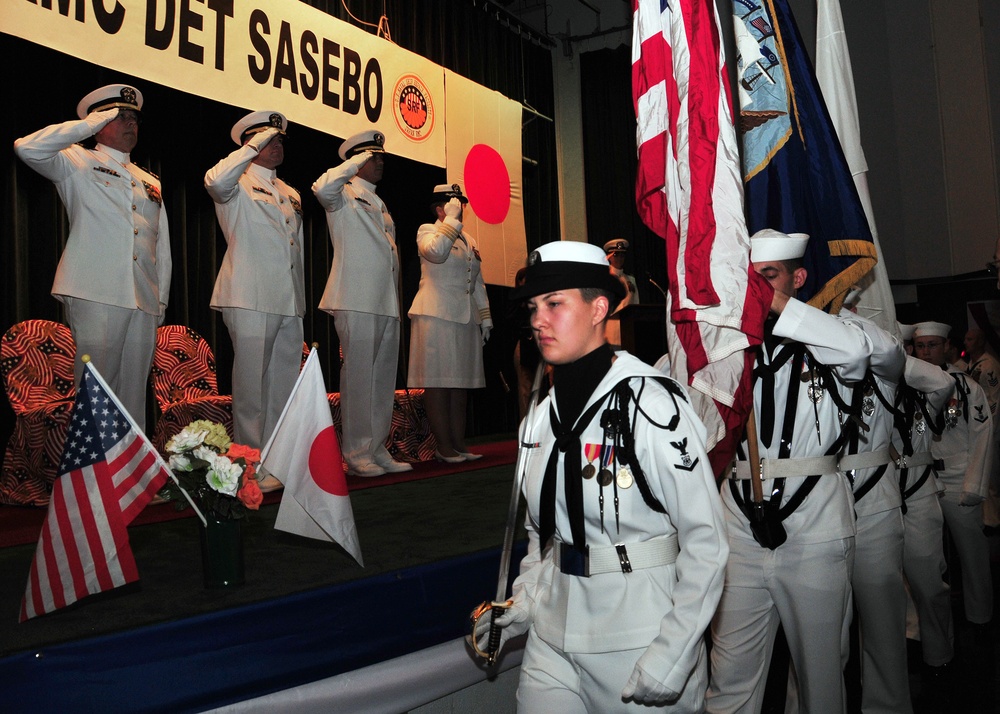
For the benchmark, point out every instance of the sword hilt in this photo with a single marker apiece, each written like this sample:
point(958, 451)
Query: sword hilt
point(493, 640)
point(493, 645)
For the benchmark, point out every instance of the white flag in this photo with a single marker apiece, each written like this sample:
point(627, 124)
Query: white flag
point(304, 454)
point(836, 80)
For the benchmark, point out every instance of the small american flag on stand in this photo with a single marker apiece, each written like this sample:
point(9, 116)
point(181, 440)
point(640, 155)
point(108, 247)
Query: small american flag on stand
point(109, 472)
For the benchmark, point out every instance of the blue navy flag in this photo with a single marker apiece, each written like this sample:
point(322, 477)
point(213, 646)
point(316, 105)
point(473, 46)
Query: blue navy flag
point(795, 176)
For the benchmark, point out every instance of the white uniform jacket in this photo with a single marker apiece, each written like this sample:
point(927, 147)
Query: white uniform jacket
point(966, 443)
point(937, 387)
point(666, 608)
point(888, 360)
point(451, 279)
point(261, 218)
point(986, 372)
point(827, 513)
point(118, 250)
point(365, 272)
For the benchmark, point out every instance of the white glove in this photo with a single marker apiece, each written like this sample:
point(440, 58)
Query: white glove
point(453, 209)
point(485, 330)
point(261, 139)
point(359, 160)
point(642, 688)
point(99, 120)
point(514, 621)
point(970, 499)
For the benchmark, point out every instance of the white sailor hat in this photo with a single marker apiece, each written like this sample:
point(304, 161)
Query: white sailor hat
point(562, 265)
point(906, 331)
point(109, 97)
point(768, 244)
point(371, 140)
point(616, 245)
point(931, 329)
point(444, 192)
point(256, 122)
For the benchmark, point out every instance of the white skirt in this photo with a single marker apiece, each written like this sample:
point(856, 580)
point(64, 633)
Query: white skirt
point(445, 354)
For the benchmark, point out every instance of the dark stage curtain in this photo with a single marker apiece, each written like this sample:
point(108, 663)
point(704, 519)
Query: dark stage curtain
point(610, 167)
point(182, 135)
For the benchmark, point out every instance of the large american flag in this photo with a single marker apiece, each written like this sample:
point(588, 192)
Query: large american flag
point(109, 472)
point(689, 192)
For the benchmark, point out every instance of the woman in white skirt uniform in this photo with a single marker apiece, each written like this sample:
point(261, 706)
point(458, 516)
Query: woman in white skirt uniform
point(450, 323)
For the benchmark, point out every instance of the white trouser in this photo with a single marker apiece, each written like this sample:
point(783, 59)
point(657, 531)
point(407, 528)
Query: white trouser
point(367, 382)
point(924, 566)
point(120, 342)
point(555, 682)
point(965, 523)
point(806, 588)
point(880, 599)
point(267, 354)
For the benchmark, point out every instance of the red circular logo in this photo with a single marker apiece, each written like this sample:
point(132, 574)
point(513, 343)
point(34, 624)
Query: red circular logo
point(325, 465)
point(487, 182)
point(414, 112)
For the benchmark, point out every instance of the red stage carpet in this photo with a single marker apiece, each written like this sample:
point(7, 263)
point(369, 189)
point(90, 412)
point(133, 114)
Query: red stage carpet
point(20, 525)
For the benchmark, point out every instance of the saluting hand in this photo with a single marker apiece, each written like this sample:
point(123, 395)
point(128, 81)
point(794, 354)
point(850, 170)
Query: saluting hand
point(453, 209)
point(99, 120)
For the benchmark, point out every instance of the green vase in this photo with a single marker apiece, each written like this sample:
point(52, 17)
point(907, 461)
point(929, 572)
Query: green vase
point(222, 553)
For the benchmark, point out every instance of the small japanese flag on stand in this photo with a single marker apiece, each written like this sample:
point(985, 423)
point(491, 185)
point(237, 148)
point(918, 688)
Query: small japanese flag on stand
point(304, 454)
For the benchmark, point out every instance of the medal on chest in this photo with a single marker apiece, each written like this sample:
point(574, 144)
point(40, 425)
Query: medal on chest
point(919, 425)
point(868, 403)
point(951, 414)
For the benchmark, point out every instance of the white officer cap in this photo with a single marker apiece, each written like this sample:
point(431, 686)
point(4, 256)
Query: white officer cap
point(768, 244)
point(565, 264)
point(931, 329)
point(906, 331)
point(109, 97)
point(444, 192)
point(371, 140)
point(616, 245)
point(256, 122)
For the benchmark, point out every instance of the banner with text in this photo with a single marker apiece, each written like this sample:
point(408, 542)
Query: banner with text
point(319, 71)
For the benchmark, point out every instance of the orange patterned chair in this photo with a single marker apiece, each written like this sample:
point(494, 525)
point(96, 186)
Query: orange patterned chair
point(36, 359)
point(185, 383)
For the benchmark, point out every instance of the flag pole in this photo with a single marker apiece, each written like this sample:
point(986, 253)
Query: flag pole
point(267, 447)
point(87, 364)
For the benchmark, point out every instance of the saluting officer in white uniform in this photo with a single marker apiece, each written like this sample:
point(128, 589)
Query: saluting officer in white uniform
point(260, 289)
point(450, 322)
point(626, 544)
point(926, 390)
point(114, 274)
point(362, 295)
point(794, 564)
point(965, 450)
point(877, 580)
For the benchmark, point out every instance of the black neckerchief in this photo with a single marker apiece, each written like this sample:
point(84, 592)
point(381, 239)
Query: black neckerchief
point(579, 380)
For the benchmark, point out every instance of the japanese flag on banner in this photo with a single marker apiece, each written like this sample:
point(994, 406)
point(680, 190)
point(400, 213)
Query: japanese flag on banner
point(483, 145)
point(304, 454)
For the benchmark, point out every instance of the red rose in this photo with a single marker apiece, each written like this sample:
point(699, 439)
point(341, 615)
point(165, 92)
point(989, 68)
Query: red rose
point(251, 456)
point(250, 494)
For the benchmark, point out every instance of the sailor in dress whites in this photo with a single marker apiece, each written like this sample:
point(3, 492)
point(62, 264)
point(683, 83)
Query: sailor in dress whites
point(984, 368)
point(114, 274)
point(794, 567)
point(362, 295)
point(965, 450)
point(923, 394)
point(626, 543)
point(877, 580)
point(260, 289)
point(450, 322)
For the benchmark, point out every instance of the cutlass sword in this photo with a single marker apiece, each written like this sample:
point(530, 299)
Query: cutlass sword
point(501, 603)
